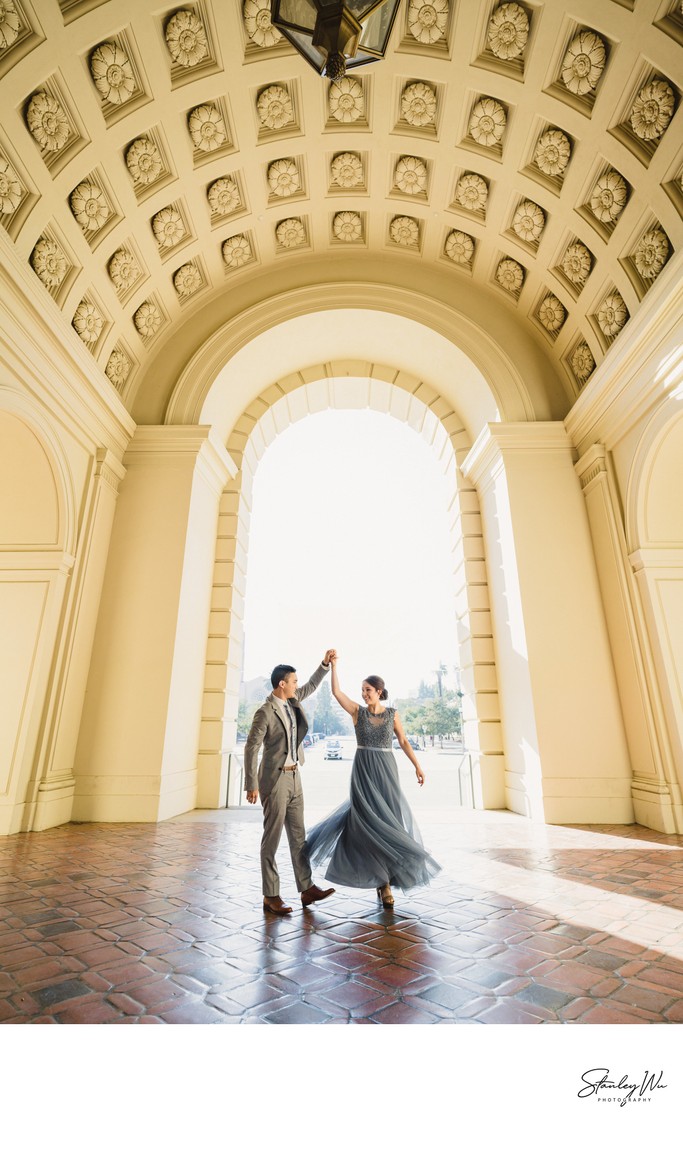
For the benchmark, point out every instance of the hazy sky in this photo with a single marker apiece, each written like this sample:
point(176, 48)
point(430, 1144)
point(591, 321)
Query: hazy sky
point(348, 548)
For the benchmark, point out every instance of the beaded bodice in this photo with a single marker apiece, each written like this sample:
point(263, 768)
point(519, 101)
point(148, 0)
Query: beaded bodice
point(375, 731)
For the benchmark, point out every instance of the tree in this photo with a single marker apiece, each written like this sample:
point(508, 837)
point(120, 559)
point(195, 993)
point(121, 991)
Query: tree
point(442, 718)
point(328, 717)
point(440, 671)
point(425, 690)
point(245, 714)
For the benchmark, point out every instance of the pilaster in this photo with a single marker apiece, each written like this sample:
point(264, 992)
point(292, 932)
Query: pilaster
point(562, 728)
point(137, 752)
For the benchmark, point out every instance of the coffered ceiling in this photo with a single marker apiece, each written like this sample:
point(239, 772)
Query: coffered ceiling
point(157, 163)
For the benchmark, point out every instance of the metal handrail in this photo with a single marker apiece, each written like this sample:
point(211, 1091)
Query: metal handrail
point(235, 778)
point(465, 769)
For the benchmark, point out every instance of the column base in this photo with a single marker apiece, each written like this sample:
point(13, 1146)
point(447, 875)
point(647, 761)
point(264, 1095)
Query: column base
point(54, 804)
point(655, 808)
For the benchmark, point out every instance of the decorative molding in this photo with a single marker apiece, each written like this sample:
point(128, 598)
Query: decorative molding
point(237, 251)
point(258, 25)
point(188, 280)
point(88, 323)
point(486, 458)
point(651, 253)
point(657, 559)
point(112, 73)
point(644, 366)
point(510, 276)
point(346, 100)
point(583, 63)
point(346, 170)
point(347, 227)
point(124, 270)
point(582, 362)
point(108, 468)
point(50, 263)
point(291, 233)
point(612, 314)
point(528, 222)
point(472, 192)
point(553, 152)
point(148, 319)
point(577, 263)
point(170, 228)
point(145, 162)
point(508, 31)
point(191, 445)
point(487, 122)
point(459, 247)
point(274, 108)
point(418, 105)
point(47, 122)
point(224, 196)
point(508, 387)
point(410, 175)
point(11, 25)
point(552, 314)
point(118, 368)
point(609, 196)
point(652, 110)
point(592, 466)
point(427, 22)
point(284, 178)
point(207, 128)
point(405, 232)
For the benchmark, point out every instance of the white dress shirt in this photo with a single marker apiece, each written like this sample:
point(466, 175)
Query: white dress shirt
point(289, 719)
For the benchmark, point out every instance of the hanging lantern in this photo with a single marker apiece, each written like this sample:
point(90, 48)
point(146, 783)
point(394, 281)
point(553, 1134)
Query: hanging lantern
point(334, 35)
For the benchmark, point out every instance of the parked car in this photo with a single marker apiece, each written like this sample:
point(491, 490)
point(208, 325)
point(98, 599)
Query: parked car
point(412, 740)
point(333, 750)
point(308, 741)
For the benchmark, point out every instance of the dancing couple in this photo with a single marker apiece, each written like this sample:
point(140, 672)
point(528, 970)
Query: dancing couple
point(371, 841)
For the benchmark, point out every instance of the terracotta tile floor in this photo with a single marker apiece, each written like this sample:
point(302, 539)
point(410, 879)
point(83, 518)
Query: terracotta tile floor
point(136, 923)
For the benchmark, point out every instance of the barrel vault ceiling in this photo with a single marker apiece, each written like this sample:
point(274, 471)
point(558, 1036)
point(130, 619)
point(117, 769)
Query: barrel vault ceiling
point(154, 160)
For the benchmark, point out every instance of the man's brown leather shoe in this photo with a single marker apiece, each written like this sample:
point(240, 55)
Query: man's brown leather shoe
point(275, 905)
point(314, 894)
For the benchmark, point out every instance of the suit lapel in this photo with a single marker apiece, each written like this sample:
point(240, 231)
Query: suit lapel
point(276, 711)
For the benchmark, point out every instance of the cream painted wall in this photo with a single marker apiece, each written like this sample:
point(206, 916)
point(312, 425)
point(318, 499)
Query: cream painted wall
point(29, 500)
point(44, 640)
point(34, 570)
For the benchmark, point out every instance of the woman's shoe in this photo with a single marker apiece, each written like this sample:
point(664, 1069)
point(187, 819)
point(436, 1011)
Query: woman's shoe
point(384, 893)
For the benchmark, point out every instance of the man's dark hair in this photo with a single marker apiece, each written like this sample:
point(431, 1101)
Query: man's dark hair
point(280, 672)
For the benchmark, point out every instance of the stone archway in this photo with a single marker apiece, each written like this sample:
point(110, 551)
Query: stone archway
point(404, 397)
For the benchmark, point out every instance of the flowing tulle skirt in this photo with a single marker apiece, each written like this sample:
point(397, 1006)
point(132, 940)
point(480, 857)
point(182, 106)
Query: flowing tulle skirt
point(372, 838)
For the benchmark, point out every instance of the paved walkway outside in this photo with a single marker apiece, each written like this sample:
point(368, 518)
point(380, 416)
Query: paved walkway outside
point(529, 924)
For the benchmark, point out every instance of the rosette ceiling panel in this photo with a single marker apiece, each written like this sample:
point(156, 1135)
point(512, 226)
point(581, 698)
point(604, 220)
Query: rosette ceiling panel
point(160, 167)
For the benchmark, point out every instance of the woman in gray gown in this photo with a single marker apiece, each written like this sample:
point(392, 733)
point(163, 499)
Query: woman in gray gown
point(372, 840)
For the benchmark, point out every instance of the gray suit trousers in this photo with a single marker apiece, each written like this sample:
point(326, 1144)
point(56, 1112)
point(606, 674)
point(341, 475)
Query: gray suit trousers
point(284, 807)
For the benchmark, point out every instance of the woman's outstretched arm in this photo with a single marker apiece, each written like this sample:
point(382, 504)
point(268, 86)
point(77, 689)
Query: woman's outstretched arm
point(348, 704)
point(406, 747)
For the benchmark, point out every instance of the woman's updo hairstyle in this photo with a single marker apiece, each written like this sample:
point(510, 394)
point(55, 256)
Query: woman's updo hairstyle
point(378, 683)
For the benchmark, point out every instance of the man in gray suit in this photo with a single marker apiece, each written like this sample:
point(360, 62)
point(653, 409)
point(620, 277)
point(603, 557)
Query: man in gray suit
point(280, 726)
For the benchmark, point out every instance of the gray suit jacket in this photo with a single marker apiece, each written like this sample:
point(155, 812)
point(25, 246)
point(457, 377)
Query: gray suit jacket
point(268, 730)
